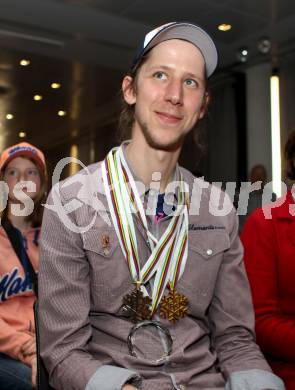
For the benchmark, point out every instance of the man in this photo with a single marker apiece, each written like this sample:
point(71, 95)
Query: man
point(159, 299)
point(260, 195)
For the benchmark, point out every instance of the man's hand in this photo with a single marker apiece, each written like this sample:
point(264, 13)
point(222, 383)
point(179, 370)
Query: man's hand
point(129, 387)
point(29, 347)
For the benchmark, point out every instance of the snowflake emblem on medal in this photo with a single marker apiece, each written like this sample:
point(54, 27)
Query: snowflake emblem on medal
point(174, 306)
point(137, 306)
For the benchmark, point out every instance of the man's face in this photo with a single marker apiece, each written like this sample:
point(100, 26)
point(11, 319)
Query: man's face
point(170, 94)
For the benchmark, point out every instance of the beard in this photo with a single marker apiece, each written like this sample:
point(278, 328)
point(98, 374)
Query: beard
point(171, 146)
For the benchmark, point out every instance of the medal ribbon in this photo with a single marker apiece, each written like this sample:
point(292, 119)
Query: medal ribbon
point(169, 254)
point(120, 219)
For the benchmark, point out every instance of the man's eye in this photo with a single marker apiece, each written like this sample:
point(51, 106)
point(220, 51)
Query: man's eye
point(160, 75)
point(190, 83)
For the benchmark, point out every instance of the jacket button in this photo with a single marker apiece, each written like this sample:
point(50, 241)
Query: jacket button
point(209, 252)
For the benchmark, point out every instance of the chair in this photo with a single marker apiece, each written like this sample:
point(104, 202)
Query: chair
point(42, 374)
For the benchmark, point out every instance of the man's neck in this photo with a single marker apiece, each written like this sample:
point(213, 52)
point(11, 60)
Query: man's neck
point(145, 160)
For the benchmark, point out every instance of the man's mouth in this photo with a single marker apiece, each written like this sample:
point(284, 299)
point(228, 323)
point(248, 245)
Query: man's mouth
point(168, 118)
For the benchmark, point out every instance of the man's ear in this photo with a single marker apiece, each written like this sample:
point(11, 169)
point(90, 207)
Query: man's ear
point(205, 104)
point(128, 90)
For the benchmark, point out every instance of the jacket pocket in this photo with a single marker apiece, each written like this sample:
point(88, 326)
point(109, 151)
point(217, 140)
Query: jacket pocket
point(101, 241)
point(205, 255)
point(209, 244)
point(109, 274)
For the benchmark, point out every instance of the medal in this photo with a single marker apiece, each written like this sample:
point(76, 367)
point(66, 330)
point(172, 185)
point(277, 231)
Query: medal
point(168, 256)
point(173, 306)
point(136, 306)
point(139, 345)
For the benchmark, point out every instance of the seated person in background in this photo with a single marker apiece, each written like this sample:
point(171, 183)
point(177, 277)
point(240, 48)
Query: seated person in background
point(257, 198)
point(22, 168)
point(270, 264)
point(177, 275)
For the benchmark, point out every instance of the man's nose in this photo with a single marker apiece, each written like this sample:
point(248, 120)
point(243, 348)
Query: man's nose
point(174, 92)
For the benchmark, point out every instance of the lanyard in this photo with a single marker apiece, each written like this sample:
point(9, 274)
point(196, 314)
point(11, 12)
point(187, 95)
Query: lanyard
point(168, 254)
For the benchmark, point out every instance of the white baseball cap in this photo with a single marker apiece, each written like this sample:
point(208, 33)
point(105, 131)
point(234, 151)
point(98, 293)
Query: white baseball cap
point(181, 30)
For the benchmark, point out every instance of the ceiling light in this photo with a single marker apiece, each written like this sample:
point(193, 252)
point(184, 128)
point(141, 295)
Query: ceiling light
point(38, 97)
point(276, 135)
point(61, 113)
point(264, 45)
point(224, 27)
point(24, 62)
point(55, 85)
point(242, 54)
point(9, 116)
point(22, 134)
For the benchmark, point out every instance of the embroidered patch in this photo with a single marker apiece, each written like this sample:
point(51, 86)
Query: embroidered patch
point(192, 226)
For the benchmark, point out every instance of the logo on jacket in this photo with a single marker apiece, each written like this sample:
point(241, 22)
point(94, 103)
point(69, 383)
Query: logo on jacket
point(193, 226)
point(12, 284)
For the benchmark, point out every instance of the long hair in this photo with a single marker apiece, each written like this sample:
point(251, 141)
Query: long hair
point(35, 218)
point(126, 118)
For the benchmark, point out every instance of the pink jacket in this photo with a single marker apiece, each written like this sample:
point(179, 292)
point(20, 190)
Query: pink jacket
point(16, 296)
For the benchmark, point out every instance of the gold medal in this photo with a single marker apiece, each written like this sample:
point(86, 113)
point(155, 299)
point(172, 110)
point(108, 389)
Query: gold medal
point(173, 306)
point(136, 306)
point(166, 262)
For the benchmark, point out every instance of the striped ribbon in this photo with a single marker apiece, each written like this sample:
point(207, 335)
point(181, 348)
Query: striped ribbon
point(168, 254)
